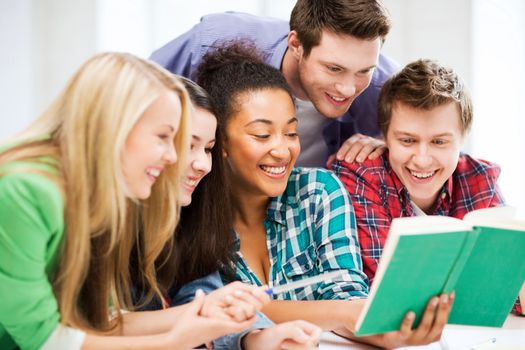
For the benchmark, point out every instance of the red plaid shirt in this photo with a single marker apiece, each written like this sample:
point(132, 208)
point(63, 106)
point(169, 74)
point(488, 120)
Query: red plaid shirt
point(378, 196)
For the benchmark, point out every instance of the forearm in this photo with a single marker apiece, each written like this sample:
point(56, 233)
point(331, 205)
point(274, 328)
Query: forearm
point(149, 322)
point(327, 314)
point(152, 342)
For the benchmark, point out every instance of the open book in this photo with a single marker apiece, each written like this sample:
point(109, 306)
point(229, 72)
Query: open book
point(481, 258)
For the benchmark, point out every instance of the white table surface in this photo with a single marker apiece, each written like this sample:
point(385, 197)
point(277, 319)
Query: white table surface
point(510, 337)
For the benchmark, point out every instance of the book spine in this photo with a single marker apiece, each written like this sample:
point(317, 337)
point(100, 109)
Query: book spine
point(464, 253)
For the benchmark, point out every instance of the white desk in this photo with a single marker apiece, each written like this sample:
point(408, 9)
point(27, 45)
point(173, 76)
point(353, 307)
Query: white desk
point(510, 337)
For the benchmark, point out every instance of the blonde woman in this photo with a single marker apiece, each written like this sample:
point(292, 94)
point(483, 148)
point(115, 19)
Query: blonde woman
point(99, 166)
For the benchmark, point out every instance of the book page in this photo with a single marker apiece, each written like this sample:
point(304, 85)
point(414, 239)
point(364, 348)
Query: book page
point(507, 217)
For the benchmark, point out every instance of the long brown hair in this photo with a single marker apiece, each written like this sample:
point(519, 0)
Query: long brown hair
point(204, 240)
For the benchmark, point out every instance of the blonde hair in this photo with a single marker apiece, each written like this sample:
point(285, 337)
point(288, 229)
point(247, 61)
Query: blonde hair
point(85, 128)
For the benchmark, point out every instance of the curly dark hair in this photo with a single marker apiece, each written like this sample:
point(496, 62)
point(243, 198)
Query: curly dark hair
point(234, 68)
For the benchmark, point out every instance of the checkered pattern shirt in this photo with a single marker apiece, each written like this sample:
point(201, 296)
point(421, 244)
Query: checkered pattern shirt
point(379, 196)
point(310, 230)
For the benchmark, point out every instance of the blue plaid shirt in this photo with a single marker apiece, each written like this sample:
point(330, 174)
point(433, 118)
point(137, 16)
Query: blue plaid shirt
point(310, 230)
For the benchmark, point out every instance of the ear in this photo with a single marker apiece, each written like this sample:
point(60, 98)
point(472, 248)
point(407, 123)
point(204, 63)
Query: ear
point(294, 45)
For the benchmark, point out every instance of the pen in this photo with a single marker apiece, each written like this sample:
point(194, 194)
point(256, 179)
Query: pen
point(304, 282)
point(482, 344)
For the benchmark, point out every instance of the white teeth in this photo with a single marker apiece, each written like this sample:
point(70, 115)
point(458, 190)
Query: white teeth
point(153, 172)
point(422, 175)
point(273, 170)
point(338, 99)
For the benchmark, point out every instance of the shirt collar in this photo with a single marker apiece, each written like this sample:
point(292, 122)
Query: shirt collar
point(277, 208)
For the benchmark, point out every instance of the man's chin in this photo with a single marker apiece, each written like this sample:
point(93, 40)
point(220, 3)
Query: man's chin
point(333, 113)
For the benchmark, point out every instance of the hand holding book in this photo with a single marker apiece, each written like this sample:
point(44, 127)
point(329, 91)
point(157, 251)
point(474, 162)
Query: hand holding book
point(479, 257)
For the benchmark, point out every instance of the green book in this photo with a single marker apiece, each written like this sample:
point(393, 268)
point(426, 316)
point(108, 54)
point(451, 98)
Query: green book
point(481, 258)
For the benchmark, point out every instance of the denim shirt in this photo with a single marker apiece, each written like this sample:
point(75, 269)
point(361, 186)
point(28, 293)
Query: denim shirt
point(184, 54)
point(208, 284)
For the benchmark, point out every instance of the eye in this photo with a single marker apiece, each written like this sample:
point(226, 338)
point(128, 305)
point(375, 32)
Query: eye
point(292, 134)
point(333, 69)
point(164, 137)
point(366, 71)
point(261, 136)
point(407, 141)
point(208, 150)
point(440, 142)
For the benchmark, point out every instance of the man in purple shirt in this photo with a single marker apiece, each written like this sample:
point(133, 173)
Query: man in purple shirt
point(329, 55)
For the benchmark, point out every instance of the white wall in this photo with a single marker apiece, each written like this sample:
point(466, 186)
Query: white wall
point(44, 41)
point(16, 68)
point(499, 91)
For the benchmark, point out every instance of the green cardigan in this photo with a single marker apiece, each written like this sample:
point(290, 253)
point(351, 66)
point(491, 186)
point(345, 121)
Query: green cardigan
point(31, 230)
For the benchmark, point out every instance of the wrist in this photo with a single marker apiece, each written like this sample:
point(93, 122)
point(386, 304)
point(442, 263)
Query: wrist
point(249, 340)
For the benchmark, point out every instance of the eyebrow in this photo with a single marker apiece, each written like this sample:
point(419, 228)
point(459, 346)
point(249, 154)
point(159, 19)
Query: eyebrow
point(170, 126)
point(398, 133)
point(269, 122)
point(346, 68)
point(197, 138)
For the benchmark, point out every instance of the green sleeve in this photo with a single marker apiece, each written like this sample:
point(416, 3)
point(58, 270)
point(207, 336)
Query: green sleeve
point(31, 228)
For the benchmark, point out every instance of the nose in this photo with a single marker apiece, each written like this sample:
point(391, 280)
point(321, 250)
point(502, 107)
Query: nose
point(202, 163)
point(280, 149)
point(170, 156)
point(346, 88)
point(422, 158)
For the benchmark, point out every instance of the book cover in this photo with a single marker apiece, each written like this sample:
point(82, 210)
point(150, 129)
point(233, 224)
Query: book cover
point(481, 258)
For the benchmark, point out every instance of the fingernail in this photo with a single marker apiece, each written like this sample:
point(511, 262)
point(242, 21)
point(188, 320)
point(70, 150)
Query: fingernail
point(434, 302)
point(444, 299)
point(359, 159)
point(238, 293)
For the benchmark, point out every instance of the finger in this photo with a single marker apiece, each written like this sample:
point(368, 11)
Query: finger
point(365, 152)
point(251, 298)
point(330, 160)
point(292, 332)
point(443, 311)
point(427, 320)
point(309, 328)
point(261, 294)
point(195, 306)
point(304, 336)
point(406, 325)
point(346, 146)
point(241, 312)
point(352, 152)
point(377, 152)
